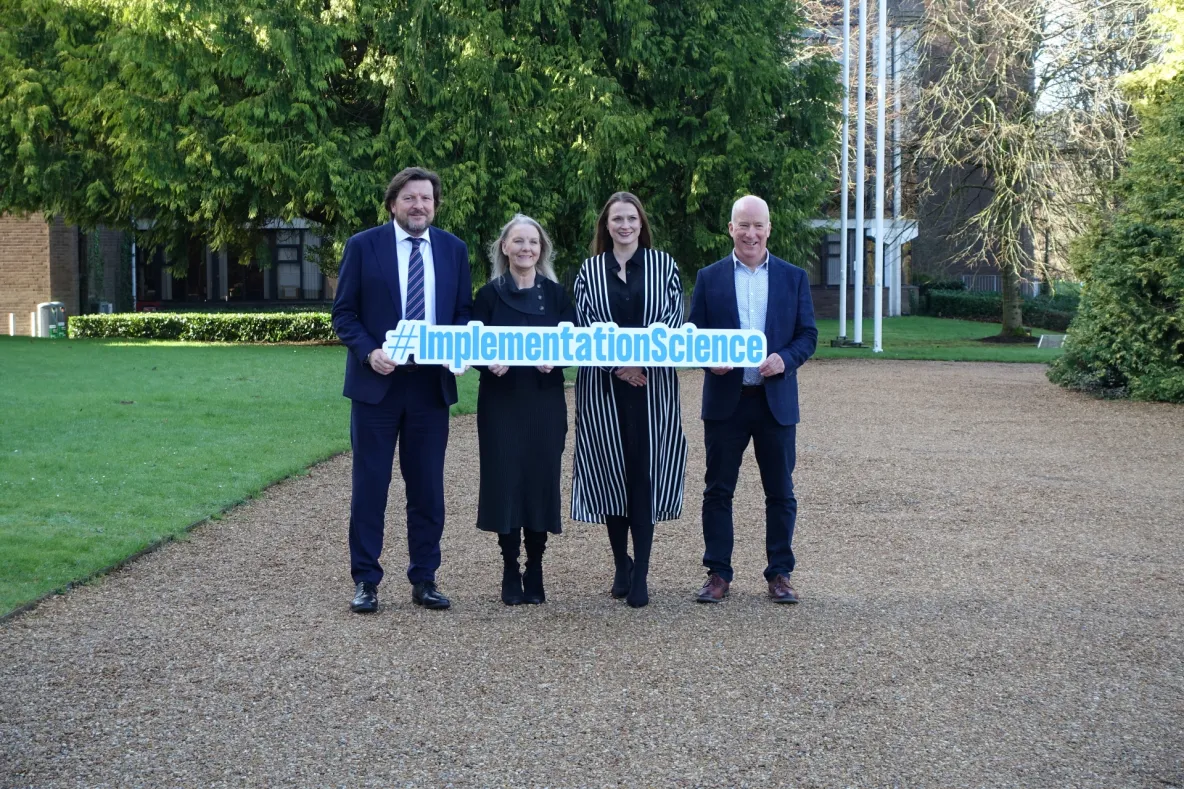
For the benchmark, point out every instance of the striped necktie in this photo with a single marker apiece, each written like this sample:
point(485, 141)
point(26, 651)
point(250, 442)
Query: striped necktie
point(415, 299)
point(414, 310)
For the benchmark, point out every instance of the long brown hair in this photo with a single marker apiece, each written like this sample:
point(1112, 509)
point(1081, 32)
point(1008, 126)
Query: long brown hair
point(602, 241)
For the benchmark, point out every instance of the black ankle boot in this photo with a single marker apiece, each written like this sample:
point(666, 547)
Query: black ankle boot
point(639, 591)
point(532, 583)
point(623, 579)
point(511, 584)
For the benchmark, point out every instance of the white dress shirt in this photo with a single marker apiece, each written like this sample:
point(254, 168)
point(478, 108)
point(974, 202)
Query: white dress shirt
point(403, 249)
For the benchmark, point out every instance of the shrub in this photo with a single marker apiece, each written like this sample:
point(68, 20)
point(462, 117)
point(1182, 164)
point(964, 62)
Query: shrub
point(967, 305)
point(1128, 336)
point(1045, 312)
point(943, 284)
point(207, 327)
point(228, 307)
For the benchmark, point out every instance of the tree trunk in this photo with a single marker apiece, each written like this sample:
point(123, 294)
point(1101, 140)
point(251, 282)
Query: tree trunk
point(1013, 304)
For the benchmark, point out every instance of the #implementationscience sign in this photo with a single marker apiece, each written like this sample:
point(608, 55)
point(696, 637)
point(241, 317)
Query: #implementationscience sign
point(565, 345)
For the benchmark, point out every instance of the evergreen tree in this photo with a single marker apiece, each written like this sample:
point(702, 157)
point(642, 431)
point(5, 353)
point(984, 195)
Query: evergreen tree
point(210, 118)
point(1128, 334)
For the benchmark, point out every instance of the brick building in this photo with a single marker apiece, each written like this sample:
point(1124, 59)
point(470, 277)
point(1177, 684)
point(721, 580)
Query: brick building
point(44, 260)
point(38, 262)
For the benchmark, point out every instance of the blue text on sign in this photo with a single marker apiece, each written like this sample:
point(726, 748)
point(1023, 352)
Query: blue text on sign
point(566, 345)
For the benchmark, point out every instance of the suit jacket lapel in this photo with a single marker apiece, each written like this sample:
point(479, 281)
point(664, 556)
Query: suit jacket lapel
point(778, 287)
point(442, 270)
point(387, 259)
point(729, 290)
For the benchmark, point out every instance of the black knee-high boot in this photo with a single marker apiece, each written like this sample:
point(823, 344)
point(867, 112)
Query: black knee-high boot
point(643, 541)
point(532, 579)
point(618, 539)
point(511, 578)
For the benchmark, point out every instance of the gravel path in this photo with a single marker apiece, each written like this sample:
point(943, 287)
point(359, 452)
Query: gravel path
point(992, 582)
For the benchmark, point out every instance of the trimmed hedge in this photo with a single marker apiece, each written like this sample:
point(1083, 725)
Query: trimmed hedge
point(1046, 312)
point(227, 308)
point(207, 327)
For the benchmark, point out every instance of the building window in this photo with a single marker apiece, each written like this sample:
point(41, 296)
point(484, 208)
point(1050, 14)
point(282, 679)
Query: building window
point(296, 277)
point(243, 283)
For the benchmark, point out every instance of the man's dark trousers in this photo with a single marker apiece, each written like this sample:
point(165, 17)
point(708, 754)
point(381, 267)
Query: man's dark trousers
point(414, 414)
point(775, 447)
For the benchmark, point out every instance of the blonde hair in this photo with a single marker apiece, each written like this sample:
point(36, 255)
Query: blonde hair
point(545, 264)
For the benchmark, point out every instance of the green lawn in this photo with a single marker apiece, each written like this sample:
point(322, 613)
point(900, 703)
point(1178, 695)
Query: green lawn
point(936, 339)
point(107, 447)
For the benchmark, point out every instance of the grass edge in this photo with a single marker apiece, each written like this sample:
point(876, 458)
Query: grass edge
point(159, 542)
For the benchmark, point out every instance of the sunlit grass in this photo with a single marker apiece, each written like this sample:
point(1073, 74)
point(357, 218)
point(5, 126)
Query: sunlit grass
point(108, 446)
point(936, 339)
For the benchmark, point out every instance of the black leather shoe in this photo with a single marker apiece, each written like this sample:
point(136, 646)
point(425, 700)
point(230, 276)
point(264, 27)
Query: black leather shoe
point(365, 598)
point(426, 594)
point(511, 584)
point(623, 579)
point(532, 584)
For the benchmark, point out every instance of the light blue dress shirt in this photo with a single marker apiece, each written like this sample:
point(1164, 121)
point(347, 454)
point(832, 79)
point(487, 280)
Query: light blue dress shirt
point(752, 304)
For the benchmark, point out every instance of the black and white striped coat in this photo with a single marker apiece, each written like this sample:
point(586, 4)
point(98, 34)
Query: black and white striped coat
point(598, 477)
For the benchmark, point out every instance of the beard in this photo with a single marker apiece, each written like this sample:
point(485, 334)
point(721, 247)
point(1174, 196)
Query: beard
point(413, 223)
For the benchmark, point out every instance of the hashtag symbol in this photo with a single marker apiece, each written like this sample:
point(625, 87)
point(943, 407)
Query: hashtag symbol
point(403, 341)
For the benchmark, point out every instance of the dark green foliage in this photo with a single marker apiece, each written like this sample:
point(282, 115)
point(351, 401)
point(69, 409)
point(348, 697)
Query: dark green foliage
point(203, 327)
point(1045, 312)
point(228, 307)
point(209, 118)
point(1128, 336)
point(967, 305)
point(925, 283)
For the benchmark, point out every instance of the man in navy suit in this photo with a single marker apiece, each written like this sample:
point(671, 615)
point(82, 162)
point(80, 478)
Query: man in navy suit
point(403, 269)
point(751, 289)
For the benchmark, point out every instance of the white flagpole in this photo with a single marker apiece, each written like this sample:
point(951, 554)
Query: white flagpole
point(860, 170)
point(843, 222)
point(881, 100)
point(897, 178)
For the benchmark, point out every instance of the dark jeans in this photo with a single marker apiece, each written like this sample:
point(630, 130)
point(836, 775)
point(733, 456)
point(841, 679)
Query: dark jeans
point(774, 445)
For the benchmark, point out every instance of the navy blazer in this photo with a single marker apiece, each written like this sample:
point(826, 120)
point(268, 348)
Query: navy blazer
point(789, 332)
point(368, 303)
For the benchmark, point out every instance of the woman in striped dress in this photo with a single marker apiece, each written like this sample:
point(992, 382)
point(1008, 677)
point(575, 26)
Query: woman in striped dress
point(630, 449)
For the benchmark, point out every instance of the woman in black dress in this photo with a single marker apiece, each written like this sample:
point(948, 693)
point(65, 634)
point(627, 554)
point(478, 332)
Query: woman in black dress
point(630, 449)
point(521, 411)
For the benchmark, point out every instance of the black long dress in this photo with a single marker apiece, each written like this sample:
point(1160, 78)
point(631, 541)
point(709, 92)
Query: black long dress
point(521, 416)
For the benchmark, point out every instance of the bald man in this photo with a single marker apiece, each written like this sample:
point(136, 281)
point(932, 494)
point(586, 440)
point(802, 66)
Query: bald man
point(751, 289)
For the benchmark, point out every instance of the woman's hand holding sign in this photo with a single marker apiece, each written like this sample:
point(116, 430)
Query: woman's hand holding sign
point(632, 375)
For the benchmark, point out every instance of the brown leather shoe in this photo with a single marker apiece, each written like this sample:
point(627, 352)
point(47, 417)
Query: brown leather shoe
point(714, 590)
point(780, 590)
